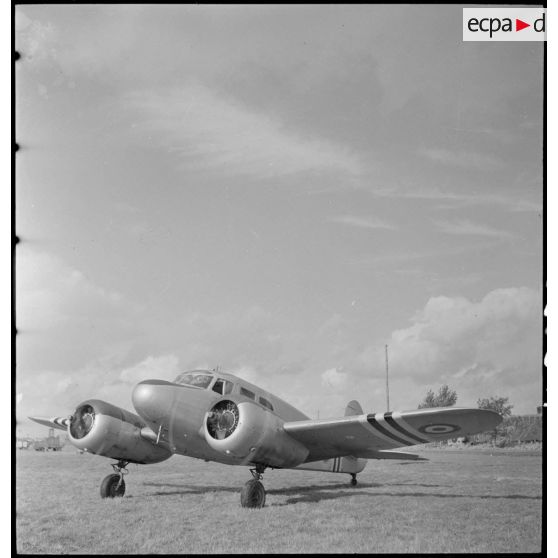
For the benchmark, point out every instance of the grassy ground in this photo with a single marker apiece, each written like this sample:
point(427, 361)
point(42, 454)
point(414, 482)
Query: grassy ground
point(457, 501)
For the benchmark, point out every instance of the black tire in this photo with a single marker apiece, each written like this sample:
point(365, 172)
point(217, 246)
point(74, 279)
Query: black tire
point(253, 495)
point(110, 487)
point(353, 481)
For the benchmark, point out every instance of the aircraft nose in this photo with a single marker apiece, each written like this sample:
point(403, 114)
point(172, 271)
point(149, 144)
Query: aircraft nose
point(151, 399)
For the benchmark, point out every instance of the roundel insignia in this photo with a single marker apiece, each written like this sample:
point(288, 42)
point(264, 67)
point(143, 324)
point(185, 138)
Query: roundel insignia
point(439, 428)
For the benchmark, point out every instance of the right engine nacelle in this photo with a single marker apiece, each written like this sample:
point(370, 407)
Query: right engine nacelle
point(104, 429)
point(249, 433)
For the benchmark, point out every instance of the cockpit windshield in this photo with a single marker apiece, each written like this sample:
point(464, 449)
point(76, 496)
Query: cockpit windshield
point(198, 379)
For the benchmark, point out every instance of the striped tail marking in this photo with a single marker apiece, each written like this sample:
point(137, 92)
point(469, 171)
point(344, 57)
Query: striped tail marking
point(336, 464)
point(61, 421)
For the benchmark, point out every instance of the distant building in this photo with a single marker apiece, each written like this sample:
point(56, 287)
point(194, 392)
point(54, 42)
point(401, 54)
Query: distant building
point(52, 442)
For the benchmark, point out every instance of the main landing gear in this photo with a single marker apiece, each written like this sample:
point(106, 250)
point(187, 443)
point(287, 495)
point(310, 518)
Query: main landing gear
point(353, 479)
point(113, 486)
point(253, 492)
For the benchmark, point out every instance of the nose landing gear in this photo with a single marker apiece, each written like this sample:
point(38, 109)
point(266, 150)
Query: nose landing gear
point(253, 492)
point(353, 479)
point(113, 486)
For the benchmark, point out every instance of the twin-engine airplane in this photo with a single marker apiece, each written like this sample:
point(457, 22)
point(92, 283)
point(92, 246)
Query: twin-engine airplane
point(218, 417)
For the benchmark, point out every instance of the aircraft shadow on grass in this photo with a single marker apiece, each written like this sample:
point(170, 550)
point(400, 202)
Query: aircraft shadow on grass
point(318, 493)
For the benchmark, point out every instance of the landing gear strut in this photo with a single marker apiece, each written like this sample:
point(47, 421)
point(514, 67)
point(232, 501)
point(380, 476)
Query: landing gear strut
point(113, 486)
point(253, 492)
point(353, 479)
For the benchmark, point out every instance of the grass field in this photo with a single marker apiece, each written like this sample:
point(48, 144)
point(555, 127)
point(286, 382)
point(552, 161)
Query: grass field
point(457, 501)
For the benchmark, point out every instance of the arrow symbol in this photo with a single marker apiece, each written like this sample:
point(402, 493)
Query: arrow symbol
point(519, 24)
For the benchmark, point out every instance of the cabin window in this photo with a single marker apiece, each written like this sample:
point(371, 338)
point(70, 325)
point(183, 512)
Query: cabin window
point(266, 403)
point(222, 386)
point(248, 393)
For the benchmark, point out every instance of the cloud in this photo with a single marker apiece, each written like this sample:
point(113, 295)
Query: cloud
point(211, 132)
point(65, 318)
point(403, 257)
point(508, 201)
point(50, 292)
point(248, 373)
point(102, 378)
point(369, 222)
point(464, 159)
point(468, 228)
point(334, 379)
point(104, 36)
point(162, 367)
point(35, 39)
point(490, 347)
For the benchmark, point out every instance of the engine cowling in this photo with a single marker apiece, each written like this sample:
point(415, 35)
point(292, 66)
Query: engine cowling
point(104, 429)
point(245, 431)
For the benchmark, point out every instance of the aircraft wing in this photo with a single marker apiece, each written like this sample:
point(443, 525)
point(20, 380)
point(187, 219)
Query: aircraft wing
point(55, 422)
point(367, 434)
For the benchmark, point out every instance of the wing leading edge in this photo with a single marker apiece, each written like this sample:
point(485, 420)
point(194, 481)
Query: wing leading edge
point(367, 434)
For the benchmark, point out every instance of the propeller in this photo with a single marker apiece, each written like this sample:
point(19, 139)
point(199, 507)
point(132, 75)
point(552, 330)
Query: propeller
point(223, 420)
point(81, 422)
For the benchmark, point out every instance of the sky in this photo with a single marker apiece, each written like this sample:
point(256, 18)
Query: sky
point(279, 191)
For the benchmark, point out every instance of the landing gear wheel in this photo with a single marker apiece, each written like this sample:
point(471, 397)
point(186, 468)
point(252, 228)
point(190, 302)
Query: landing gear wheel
point(353, 479)
point(253, 494)
point(113, 486)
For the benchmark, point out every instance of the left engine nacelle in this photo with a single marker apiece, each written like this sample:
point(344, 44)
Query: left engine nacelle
point(104, 429)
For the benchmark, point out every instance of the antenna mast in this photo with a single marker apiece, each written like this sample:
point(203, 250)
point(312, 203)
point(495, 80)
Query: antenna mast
point(387, 379)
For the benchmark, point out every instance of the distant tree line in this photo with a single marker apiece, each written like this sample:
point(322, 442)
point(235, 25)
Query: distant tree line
point(447, 397)
point(498, 404)
point(444, 398)
point(512, 430)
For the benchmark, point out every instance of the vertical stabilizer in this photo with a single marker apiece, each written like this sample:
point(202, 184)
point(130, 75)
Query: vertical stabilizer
point(353, 408)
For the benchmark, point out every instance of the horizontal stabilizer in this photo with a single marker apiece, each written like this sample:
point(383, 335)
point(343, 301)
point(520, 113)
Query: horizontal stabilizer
point(56, 422)
point(371, 454)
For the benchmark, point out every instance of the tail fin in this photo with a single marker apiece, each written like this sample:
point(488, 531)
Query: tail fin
point(353, 408)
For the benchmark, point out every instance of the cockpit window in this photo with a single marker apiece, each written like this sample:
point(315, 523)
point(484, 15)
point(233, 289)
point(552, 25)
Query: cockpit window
point(222, 386)
point(194, 379)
